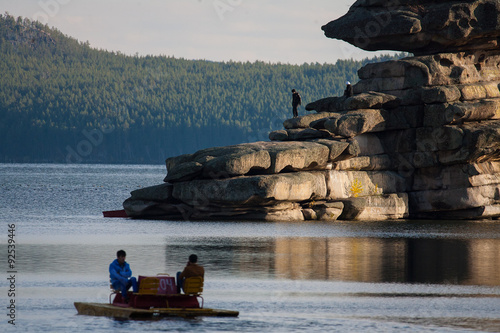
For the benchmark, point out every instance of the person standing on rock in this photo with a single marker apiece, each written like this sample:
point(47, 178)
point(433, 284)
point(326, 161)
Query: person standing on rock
point(348, 89)
point(296, 101)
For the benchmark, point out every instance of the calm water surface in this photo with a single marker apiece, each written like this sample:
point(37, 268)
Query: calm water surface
point(419, 276)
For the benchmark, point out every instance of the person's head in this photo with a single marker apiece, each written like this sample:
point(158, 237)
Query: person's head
point(348, 83)
point(120, 255)
point(293, 90)
point(193, 258)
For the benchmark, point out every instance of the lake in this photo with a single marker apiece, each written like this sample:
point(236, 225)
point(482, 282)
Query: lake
point(399, 276)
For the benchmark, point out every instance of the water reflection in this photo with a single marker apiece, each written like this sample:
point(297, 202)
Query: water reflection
point(465, 262)
point(403, 260)
point(364, 259)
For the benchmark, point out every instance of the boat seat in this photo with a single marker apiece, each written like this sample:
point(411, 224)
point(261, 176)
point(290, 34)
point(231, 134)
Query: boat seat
point(113, 292)
point(193, 286)
point(149, 286)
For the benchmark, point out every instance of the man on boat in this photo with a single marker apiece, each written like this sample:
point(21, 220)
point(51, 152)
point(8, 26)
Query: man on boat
point(121, 275)
point(191, 269)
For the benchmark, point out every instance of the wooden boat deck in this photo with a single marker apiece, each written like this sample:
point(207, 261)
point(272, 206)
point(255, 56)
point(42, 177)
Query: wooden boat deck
point(109, 310)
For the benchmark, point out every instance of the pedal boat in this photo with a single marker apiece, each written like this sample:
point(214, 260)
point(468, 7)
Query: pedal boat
point(157, 297)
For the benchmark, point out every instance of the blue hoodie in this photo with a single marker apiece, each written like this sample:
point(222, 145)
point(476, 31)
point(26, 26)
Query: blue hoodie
point(119, 273)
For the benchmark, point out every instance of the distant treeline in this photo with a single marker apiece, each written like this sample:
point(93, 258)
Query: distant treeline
point(63, 101)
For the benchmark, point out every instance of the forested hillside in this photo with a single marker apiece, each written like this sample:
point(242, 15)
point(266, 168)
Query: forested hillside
point(62, 101)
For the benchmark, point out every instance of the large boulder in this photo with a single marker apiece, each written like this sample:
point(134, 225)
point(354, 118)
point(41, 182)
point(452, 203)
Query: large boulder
point(419, 138)
point(420, 27)
point(457, 176)
point(454, 199)
point(323, 210)
point(353, 123)
point(295, 156)
point(219, 162)
point(343, 184)
point(458, 144)
point(252, 190)
point(305, 121)
point(328, 107)
point(444, 69)
point(440, 114)
point(381, 207)
point(328, 104)
point(249, 158)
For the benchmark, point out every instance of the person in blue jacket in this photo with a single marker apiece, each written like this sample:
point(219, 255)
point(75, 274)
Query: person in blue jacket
point(121, 275)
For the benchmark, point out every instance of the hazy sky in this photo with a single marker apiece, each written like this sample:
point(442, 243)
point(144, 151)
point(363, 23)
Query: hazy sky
point(286, 31)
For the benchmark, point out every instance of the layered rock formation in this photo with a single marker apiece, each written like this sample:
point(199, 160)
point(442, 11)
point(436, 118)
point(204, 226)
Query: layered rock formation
point(419, 26)
point(419, 138)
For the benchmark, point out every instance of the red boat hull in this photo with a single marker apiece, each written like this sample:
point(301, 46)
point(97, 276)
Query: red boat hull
point(115, 213)
point(157, 301)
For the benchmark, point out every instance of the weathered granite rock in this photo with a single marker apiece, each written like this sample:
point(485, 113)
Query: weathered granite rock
point(476, 213)
point(479, 91)
point(336, 148)
point(420, 27)
point(440, 94)
point(305, 121)
point(252, 190)
point(371, 100)
point(358, 122)
point(295, 156)
point(443, 69)
point(274, 216)
point(457, 176)
point(162, 192)
point(328, 107)
point(149, 209)
point(436, 115)
point(347, 184)
point(381, 207)
point(458, 144)
point(419, 138)
point(297, 134)
point(323, 211)
point(367, 163)
point(328, 104)
point(454, 199)
point(218, 162)
point(238, 160)
point(279, 135)
point(353, 123)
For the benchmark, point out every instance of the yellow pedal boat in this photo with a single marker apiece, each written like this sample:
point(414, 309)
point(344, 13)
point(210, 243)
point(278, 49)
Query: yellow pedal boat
point(157, 297)
point(110, 310)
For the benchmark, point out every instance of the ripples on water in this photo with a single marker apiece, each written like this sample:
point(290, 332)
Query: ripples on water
point(419, 276)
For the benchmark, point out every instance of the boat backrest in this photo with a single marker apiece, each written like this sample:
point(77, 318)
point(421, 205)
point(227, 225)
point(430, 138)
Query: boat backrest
point(193, 285)
point(149, 286)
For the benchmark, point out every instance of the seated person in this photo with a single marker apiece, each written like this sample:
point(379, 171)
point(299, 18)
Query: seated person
point(348, 92)
point(191, 269)
point(120, 275)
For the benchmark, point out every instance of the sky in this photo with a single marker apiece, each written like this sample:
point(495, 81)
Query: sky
point(285, 31)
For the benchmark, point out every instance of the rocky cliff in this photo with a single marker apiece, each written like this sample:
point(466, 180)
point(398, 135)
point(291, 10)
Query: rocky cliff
point(419, 138)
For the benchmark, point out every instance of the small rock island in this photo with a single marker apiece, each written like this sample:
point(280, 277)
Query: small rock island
point(418, 139)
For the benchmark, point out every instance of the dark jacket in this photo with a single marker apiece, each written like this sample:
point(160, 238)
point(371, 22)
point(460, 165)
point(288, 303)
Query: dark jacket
point(296, 100)
point(348, 91)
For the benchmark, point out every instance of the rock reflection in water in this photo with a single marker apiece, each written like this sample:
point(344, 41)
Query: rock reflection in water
point(465, 262)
